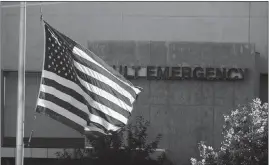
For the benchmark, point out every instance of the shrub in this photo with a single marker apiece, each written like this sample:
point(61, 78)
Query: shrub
point(118, 149)
point(245, 138)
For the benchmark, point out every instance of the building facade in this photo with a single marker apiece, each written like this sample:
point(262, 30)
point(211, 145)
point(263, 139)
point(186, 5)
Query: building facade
point(195, 61)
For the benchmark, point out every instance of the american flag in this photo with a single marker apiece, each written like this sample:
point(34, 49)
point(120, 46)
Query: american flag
point(80, 90)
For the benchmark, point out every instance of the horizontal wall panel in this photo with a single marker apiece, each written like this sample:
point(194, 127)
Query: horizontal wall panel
point(181, 9)
point(185, 29)
point(46, 142)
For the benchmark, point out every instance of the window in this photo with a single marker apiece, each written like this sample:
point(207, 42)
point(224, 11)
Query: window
point(264, 87)
point(48, 133)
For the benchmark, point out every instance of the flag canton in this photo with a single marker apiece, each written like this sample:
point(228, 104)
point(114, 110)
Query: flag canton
point(58, 57)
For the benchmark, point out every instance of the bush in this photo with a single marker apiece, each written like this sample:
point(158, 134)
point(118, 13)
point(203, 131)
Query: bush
point(245, 138)
point(118, 149)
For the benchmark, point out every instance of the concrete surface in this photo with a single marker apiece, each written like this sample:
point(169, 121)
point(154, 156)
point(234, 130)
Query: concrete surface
point(244, 22)
point(184, 111)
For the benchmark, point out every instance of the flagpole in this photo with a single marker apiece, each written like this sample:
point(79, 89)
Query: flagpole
point(21, 86)
point(1, 86)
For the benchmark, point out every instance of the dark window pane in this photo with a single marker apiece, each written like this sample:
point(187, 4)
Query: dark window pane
point(264, 87)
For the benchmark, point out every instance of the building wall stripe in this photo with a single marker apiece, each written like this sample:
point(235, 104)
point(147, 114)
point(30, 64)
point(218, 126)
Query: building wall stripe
point(7, 152)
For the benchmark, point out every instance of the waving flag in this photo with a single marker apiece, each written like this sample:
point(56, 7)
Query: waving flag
point(80, 90)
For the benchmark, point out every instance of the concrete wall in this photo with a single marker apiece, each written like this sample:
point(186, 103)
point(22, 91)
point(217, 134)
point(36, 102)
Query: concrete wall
point(149, 21)
point(185, 112)
point(150, 33)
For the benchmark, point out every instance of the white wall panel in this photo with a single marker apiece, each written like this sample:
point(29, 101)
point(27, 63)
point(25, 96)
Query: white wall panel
point(185, 29)
point(259, 9)
point(182, 21)
point(181, 9)
point(259, 36)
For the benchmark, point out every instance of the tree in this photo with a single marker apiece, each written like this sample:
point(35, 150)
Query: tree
point(245, 138)
point(118, 149)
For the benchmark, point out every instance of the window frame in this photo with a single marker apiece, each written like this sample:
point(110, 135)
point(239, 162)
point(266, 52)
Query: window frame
point(36, 142)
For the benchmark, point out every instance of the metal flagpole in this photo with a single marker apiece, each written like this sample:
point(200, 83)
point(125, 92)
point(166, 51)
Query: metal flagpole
point(1, 87)
point(21, 86)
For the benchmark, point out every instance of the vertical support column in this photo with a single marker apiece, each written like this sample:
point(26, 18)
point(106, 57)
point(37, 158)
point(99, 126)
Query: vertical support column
point(21, 87)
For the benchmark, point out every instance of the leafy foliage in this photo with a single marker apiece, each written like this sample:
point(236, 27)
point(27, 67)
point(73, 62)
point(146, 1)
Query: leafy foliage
point(127, 147)
point(245, 138)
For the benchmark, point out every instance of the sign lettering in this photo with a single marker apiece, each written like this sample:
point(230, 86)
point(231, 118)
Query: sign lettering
point(181, 73)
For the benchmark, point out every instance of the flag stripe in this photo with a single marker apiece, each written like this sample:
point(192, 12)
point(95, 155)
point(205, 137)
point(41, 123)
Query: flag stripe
point(103, 86)
point(101, 99)
point(65, 97)
point(61, 111)
point(76, 119)
point(101, 78)
point(105, 94)
point(82, 54)
point(90, 129)
point(111, 117)
point(77, 93)
point(99, 120)
point(54, 115)
point(78, 108)
point(59, 85)
point(62, 103)
point(103, 72)
point(104, 65)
